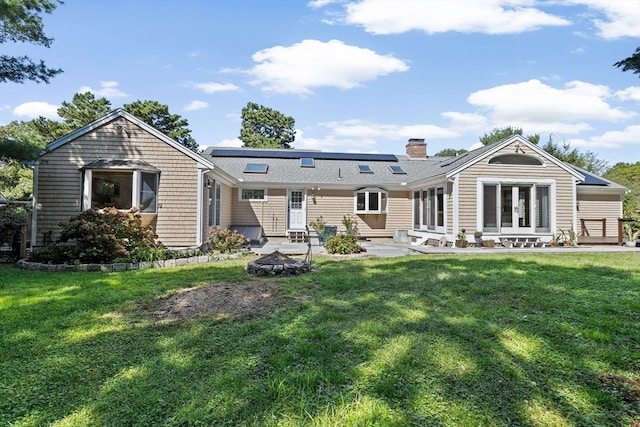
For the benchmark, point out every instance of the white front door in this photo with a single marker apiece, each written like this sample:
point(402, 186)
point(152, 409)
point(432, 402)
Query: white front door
point(297, 209)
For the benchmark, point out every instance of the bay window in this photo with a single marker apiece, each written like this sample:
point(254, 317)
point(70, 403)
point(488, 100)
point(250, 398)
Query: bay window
point(370, 201)
point(121, 184)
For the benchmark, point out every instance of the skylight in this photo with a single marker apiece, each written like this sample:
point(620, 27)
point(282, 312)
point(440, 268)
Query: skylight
point(396, 169)
point(256, 168)
point(307, 162)
point(364, 169)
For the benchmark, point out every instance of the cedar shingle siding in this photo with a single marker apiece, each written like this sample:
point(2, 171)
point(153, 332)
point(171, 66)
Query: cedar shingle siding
point(60, 180)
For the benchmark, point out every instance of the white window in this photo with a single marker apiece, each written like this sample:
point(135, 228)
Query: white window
point(247, 194)
point(121, 189)
point(428, 211)
point(370, 201)
point(214, 203)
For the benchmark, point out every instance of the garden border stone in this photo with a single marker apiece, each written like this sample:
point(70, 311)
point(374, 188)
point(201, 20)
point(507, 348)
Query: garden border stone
point(120, 266)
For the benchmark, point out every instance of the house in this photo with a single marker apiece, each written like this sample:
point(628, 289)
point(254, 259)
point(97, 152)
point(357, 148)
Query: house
point(510, 189)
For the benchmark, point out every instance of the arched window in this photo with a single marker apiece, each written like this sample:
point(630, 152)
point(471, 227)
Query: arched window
point(515, 159)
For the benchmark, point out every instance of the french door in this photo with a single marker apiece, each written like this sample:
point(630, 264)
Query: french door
point(516, 209)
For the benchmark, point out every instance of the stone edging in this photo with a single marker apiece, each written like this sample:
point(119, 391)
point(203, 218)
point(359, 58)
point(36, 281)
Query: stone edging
point(177, 262)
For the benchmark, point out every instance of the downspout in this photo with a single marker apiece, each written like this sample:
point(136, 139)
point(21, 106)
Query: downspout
point(456, 219)
point(34, 207)
point(199, 206)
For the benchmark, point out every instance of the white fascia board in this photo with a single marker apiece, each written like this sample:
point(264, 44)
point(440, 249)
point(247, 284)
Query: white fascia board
point(529, 145)
point(202, 162)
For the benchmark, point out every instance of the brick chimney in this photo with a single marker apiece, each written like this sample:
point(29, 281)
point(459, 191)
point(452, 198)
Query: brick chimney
point(417, 148)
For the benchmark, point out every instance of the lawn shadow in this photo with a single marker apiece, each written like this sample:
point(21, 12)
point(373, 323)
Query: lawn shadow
point(411, 341)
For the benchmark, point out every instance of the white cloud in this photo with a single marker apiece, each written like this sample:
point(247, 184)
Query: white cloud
point(622, 17)
point(108, 89)
point(369, 131)
point(466, 122)
point(540, 108)
point(34, 109)
point(229, 142)
point(438, 16)
point(611, 139)
point(315, 4)
point(311, 63)
point(196, 105)
point(631, 93)
point(212, 87)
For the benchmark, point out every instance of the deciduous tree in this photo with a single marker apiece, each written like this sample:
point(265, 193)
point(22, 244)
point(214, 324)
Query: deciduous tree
point(263, 127)
point(20, 23)
point(628, 174)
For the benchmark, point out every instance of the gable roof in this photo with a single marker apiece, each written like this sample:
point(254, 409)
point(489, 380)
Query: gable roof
point(115, 114)
point(474, 156)
point(330, 169)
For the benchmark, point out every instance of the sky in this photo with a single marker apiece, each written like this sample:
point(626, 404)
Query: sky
point(357, 76)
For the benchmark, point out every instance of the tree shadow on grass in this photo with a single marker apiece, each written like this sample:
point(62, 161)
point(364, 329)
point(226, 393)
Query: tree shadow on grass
point(412, 341)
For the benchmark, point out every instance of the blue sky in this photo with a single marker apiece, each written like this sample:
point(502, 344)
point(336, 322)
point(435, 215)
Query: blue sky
point(360, 76)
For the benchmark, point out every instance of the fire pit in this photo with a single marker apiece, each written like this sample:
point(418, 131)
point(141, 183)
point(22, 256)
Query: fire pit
point(277, 264)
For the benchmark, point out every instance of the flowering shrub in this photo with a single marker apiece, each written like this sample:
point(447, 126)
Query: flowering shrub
point(225, 240)
point(99, 236)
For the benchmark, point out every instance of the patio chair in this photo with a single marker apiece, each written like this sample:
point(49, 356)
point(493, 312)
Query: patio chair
point(328, 232)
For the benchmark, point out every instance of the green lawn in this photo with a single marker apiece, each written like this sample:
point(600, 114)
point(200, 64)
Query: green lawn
point(508, 339)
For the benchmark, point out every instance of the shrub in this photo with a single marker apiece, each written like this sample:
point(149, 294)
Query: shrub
point(343, 244)
point(52, 253)
point(224, 240)
point(99, 236)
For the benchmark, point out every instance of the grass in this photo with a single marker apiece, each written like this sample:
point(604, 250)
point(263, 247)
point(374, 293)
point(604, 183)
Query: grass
point(508, 339)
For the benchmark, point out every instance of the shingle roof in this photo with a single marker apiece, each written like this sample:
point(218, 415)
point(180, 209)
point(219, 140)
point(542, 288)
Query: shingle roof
point(331, 169)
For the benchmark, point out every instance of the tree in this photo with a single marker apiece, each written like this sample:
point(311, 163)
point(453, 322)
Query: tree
point(263, 127)
point(498, 134)
point(83, 109)
point(631, 63)
point(20, 23)
point(628, 174)
point(19, 143)
point(158, 116)
point(586, 160)
point(451, 152)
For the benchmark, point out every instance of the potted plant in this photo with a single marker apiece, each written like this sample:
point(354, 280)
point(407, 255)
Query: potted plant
point(461, 239)
point(478, 237)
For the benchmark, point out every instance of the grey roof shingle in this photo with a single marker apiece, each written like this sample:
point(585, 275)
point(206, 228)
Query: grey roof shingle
point(331, 169)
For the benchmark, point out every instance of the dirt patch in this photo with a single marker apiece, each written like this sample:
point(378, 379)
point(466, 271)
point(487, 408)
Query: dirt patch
point(628, 389)
point(222, 300)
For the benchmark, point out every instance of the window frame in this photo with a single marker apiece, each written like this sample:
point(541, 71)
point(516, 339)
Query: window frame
point(382, 201)
point(241, 194)
point(136, 187)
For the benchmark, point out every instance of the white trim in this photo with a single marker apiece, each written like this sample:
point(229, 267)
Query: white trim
point(240, 199)
point(130, 117)
point(456, 206)
point(551, 183)
point(86, 190)
point(34, 206)
point(528, 145)
point(199, 207)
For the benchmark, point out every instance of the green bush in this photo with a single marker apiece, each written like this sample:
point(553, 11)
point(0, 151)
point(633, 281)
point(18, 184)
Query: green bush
point(52, 253)
point(224, 240)
point(343, 244)
point(100, 236)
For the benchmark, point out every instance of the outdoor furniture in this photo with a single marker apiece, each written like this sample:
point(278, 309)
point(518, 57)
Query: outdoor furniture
point(327, 232)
